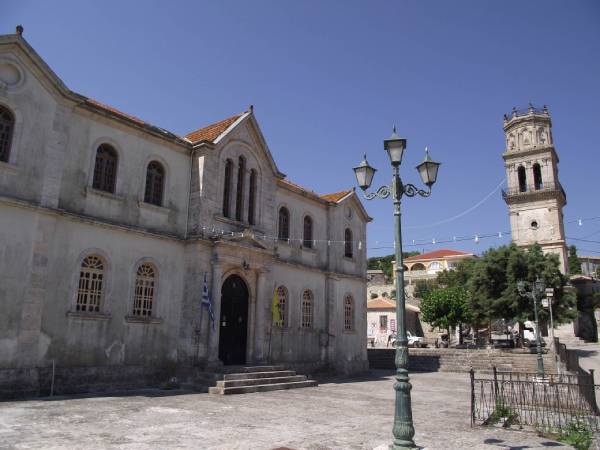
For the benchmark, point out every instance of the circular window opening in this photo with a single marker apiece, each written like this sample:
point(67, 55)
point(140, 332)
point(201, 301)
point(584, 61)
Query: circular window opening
point(534, 225)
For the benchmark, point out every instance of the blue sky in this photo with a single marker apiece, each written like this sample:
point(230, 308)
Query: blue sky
point(329, 79)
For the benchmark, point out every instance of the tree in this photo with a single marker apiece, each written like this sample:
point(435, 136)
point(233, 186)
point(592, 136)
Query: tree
point(447, 308)
point(574, 261)
point(459, 276)
point(493, 285)
point(598, 272)
point(424, 287)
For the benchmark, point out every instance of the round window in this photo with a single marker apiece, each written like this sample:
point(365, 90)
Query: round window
point(534, 225)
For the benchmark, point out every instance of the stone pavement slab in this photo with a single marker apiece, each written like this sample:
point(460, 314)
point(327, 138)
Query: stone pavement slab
point(342, 414)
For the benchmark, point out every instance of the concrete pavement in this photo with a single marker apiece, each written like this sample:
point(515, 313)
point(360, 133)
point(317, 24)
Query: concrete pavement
point(343, 414)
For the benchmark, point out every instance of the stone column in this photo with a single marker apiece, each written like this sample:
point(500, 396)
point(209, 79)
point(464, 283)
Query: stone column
point(260, 315)
point(35, 293)
point(213, 335)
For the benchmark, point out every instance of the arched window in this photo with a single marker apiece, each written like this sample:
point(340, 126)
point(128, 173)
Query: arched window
point(282, 296)
point(348, 313)
point(522, 179)
point(537, 177)
point(284, 224)
point(91, 282)
point(417, 267)
point(239, 200)
point(227, 187)
point(7, 125)
point(307, 309)
point(145, 281)
point(105, 169)
point(155, 180)
point(252, 197)
point(435, 266)
point(348, 243)
point(308, 232)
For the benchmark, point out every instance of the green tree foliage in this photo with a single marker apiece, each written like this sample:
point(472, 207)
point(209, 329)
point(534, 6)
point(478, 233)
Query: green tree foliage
point(574, 261)
point(493, 285)
point(424, 287)
point(385, 263)
point(446, 307)
point(458, 276)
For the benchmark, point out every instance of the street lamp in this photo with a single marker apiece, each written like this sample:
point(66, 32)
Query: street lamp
point(549, 298)
point(403, 430)
point(537, 288)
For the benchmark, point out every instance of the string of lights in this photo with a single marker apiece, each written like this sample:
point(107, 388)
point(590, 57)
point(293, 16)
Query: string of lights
point(215, 232)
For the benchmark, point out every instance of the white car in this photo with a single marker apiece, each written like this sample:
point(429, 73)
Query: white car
point(413, 341)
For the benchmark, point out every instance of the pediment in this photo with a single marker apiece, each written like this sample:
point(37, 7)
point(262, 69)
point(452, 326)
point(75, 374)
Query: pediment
point(246, 134)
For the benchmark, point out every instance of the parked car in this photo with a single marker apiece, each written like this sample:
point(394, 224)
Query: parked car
point(413, 341)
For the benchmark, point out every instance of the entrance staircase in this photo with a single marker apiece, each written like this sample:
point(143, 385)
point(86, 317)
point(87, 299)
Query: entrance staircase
point(246, 379)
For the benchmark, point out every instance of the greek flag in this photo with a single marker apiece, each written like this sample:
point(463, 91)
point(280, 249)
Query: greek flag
point(207, 302)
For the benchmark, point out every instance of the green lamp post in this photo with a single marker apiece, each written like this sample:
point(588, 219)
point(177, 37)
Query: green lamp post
point(403, 429)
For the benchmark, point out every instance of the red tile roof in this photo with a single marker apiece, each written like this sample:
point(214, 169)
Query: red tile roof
point(211, 132)
point(379, 303)
point(336, 196)
point(437, 254)
point(115, 111)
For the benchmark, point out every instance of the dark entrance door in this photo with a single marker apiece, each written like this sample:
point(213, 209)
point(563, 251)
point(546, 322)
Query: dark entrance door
point(234, 321)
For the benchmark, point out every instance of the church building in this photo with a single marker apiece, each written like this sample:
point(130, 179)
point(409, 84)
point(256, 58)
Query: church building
point(109, 227)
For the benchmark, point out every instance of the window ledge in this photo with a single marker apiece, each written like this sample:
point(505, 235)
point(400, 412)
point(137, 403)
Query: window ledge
point(152, 207)
point(88, 315)
point(8, 167)
point(91, 190)
point(349, 259)
point(146, 320)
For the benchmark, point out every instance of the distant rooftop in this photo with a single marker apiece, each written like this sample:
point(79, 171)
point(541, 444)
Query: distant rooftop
point(438, 254)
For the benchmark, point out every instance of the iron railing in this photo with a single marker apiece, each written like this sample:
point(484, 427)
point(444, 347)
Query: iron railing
point(533, 189)
point(548, 404)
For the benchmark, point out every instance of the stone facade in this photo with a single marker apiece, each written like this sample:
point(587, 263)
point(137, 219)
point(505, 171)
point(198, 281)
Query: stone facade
point(52, 217)
point(534, 195)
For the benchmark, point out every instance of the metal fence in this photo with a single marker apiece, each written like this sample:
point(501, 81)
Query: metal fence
point(551, 403)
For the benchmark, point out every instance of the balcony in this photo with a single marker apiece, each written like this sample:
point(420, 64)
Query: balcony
point(530, 193)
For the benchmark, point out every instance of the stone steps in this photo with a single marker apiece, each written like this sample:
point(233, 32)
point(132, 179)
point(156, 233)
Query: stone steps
point(261, 387)
point(253, 375)
point(246, 379)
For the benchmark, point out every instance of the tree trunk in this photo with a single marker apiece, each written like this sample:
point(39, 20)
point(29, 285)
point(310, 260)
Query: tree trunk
point(460, 334)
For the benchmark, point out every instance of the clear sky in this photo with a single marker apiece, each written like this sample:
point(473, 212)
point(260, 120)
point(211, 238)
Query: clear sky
point(329, 79)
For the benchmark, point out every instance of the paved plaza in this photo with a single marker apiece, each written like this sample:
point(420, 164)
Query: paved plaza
point(349, 414)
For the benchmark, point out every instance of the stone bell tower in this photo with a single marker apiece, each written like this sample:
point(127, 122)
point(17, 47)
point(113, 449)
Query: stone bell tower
point(534, 195)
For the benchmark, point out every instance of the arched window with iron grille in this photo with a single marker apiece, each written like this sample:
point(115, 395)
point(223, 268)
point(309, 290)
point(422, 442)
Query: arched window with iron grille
point(348, 313)
point(282, 297)
point(105, 169)
point(155, 179)
point(145, 291)
point(307, 309)
point(91, 284)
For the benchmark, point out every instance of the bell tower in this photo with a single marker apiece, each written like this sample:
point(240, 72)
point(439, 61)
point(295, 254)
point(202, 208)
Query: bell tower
point(534, 195)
